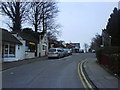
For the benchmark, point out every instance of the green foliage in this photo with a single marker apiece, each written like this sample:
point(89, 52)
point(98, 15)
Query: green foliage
point(99, 52)
point(96, 41)
point(115, 63)
point(113, 27)
point(108, 50)
point(114, 57)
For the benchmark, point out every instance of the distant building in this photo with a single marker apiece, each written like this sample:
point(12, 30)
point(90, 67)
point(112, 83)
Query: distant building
point(75, 47)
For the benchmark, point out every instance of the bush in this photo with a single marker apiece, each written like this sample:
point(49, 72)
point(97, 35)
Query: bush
point(99, 52)
point(114, 57)
point(115, 63)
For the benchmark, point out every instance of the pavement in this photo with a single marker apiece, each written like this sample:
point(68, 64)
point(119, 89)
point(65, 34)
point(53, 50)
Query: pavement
point(8, 65)
point(99, 75)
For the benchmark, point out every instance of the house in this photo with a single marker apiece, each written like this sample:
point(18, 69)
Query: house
point(43, 45)
point(75, 47)
point(29, 44)
point(21, 45)
point(10, 47)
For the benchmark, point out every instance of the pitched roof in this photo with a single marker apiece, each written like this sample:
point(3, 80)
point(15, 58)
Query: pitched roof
point(26, 36)
point(7, 37)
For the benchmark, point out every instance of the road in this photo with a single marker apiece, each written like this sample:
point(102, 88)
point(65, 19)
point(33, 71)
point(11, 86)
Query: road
point(50, 73)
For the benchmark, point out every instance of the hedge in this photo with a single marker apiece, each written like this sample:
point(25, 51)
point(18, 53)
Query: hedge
point(115, 63)
point(113, 54)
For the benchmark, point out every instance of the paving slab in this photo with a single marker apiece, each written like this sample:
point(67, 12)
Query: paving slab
point(99, 76)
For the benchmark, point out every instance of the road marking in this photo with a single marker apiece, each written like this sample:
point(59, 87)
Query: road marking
point(88, 84)
point(82, 76)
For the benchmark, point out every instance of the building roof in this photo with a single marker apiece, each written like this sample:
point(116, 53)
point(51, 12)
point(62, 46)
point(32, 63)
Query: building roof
point(7, 37)
point(26, 36)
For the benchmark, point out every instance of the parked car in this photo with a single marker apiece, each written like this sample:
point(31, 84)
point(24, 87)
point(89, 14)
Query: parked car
point(55, 52)
point(93, 51)
point(65, 52)
point(68, 51)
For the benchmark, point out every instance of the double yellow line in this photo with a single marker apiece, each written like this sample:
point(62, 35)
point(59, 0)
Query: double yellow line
point(83, 78)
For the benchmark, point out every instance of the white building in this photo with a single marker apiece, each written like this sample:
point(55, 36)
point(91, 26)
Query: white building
point(10, 47)
point(20, 45)
point(43, 45)
point(29, 47)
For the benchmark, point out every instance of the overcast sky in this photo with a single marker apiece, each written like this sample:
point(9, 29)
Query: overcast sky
point(82, 20)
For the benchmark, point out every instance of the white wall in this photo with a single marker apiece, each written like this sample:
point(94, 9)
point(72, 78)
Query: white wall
point(20, 53)
point(29, 54)
point(38, 50)
point(9, 59)
point(42, 52)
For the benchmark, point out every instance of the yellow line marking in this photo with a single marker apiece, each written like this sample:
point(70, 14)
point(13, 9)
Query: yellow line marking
point(84, 76)
point(81, 77)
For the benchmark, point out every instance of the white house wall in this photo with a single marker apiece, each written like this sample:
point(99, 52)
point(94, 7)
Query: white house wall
point(10, 59)
point(20, 53)
point(38, 50)
point(43, 52)
point(29, 55)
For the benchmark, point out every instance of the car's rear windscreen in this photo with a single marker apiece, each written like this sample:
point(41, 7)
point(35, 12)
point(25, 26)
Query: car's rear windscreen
point(52, 50)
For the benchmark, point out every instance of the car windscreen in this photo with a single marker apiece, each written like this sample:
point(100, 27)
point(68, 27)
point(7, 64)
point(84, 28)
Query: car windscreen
point(59, 50)
point(52, 50)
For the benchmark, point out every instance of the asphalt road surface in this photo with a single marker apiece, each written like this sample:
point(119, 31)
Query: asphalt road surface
point(51, 73)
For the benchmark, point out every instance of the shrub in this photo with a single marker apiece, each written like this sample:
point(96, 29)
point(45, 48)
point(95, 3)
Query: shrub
point(99, 54)
point(115, 63)
point(114, 57)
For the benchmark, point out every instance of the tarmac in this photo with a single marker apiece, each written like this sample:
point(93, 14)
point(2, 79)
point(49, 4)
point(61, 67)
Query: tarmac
point(96, 73)
point(8, 65)
point(100, 76)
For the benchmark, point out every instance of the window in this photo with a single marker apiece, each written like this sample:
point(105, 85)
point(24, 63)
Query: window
point(59, 50)
point(30, 47)
point(52, 50)
point(43, 47)
point(8, 50)
point(12, 50)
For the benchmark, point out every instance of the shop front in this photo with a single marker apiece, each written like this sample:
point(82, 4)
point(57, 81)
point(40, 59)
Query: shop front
point(30, 49)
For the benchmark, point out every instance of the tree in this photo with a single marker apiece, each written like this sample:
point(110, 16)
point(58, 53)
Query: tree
point(35, 16)
point(43, 14)
point(113, 27)
point(96, 41)
point(17, 12)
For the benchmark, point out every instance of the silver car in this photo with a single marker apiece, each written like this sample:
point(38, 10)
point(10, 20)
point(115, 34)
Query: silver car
point(55, 52)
